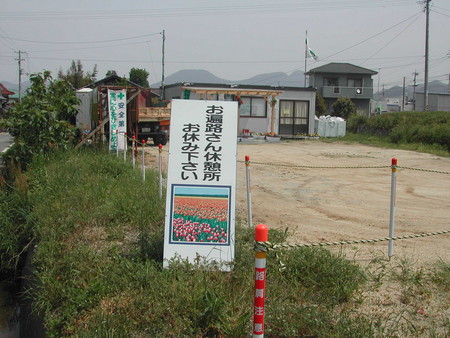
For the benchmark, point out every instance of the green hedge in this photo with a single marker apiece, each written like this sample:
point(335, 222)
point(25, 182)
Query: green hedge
point(406, 127)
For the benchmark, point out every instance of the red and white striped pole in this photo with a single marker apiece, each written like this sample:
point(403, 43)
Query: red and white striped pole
point(249, 196)
point(261, 235)
point(160, 170)
point(143, 160)
point(392, 209)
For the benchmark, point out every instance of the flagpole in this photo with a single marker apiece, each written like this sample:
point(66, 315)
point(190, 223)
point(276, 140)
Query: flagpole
point(306, 55)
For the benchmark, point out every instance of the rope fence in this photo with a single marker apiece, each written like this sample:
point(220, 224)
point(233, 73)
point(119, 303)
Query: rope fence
point(425, 170)
point(267, 246)
point(342, 167)
point(138, 143)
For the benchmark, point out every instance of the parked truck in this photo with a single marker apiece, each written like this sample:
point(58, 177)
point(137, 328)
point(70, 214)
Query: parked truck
point(143, 121)
point(154, 122)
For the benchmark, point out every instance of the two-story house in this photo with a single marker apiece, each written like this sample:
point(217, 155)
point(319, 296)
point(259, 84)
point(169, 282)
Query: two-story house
point(335, 80)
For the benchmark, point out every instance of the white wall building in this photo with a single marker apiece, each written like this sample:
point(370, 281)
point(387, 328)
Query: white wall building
point(436, 102)
point(263, 109)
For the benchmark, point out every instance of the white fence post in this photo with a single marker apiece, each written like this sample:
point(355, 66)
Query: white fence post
point(249, 196)
point(143, 160)
point(392, 210)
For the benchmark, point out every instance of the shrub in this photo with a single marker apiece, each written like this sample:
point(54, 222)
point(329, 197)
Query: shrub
point(357, 123)
point(343, 107)
point(40, 124)
point(431, 128)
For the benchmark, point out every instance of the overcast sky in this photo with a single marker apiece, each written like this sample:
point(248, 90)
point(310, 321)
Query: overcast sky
point(232, 39)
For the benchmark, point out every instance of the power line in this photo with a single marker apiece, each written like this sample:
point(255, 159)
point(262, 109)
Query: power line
point(447, 15)
point(395, 37)
point(373, 36)
point(224, 62)
point(80, 42)
point(357, 44)
point(205, 10)
point(7, 39)
point(91, 47)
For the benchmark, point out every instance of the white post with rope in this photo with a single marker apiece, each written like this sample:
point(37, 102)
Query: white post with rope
point(392, 209)
point(143, 160)
point(160, 169)
point(133, 149)
point(117, 143)
point(249, 196)
point(125, 147)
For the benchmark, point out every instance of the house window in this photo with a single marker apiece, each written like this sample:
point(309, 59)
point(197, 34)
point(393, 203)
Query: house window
point(353, 83)
point(330, 81)
point(294, 117)
point(253, 107)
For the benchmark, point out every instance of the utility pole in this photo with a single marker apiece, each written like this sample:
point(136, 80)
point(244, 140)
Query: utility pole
point(379, 71)
point(427, 33)
point(162, 76)
point(449, 83)
point(403, 98)
point(306, 57)
point(20, 73)
point(414, 90)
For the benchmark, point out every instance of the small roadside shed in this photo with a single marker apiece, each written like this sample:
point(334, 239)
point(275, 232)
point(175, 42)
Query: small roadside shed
point(93, 108)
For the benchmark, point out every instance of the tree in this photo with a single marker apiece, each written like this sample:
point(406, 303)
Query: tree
point(40, 124)
point(140, 77)
point(344, 107)
point(321, 108)
point(75, 75)
point(110, 73)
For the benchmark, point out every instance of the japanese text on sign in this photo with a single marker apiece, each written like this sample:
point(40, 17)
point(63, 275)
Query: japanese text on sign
point(117, 118)
point(212, 156)
point(201, 182)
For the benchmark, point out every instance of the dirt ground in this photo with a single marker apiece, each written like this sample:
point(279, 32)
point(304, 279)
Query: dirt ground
point(326, 205)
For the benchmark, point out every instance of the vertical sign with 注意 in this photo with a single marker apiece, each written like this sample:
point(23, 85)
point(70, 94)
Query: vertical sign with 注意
point(117, 104)
point(201, 182)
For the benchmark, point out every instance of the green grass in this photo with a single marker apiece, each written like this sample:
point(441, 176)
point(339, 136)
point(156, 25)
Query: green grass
point(383, 142)
point(419, 131)
point(15, 229)
point(99, 235)
point(100, 270)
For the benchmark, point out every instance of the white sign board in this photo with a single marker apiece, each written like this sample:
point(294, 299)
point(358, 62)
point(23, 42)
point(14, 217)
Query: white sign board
point(117, 104)
point(201, 182)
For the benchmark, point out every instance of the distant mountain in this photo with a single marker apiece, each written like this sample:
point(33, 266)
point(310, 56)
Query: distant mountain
point(15, 87)
point(397, 91)
point(280, 79)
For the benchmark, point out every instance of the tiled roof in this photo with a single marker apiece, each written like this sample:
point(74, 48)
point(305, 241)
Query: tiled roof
point(337, 67)
point(5, 91)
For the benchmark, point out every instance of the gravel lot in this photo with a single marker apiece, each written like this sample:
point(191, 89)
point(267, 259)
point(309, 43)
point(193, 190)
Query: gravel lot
point(324, 205)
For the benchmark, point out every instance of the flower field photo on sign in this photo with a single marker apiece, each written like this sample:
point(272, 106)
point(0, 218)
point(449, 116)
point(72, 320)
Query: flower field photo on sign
point(200, 215)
